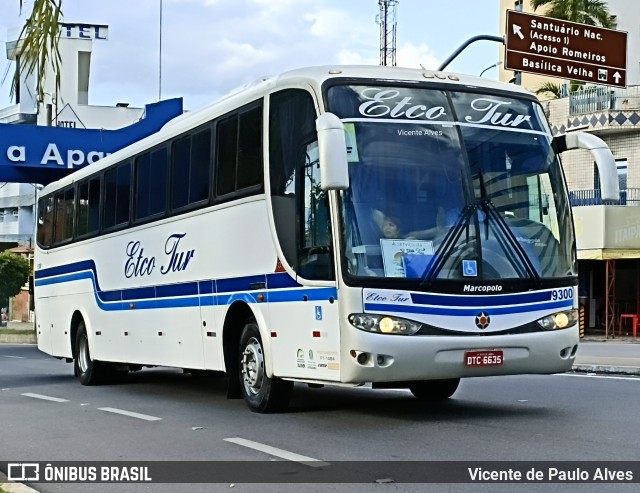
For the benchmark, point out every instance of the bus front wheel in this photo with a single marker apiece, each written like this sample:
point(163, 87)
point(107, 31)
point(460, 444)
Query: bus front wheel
point(262, 394)
point(434, 390)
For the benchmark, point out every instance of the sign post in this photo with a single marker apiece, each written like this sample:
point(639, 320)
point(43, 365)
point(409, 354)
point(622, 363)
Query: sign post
point(568, 50)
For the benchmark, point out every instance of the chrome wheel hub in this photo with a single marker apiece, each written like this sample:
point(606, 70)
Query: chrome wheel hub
point(83, 355)
point(252, 367)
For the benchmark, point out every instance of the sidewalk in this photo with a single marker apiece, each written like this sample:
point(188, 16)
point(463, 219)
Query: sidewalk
point(9, 338)
point(617, 355)
point(14, 487)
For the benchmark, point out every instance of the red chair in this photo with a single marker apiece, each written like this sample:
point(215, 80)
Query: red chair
point(634, 322)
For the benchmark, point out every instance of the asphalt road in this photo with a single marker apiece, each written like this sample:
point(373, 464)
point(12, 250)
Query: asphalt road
point(164, 415)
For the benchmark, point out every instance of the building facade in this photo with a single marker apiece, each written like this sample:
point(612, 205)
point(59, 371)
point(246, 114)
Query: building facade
point(608, 235)
point(64, 106)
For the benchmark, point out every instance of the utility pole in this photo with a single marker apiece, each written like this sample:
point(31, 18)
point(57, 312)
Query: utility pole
point(387, 21)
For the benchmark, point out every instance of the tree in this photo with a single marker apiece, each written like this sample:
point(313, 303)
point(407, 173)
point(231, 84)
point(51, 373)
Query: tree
point(592, 12)
point(39, 45)
point(551, 88)
point(555, 90)
point(14, 272)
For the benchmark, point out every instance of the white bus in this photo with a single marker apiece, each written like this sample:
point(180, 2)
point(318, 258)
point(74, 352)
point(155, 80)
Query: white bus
point(331, 225)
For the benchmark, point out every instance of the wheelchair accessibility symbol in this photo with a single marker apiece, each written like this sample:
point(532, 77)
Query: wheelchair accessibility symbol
point(469, 268)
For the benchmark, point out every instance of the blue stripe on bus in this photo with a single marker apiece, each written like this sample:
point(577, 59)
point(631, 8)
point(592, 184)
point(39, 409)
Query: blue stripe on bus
point(460, 312)
point(234, 285)
point(181, 289)
point(206, 287)
point(314, 294)
point(138, 293)
point(481, 300)
point(65, 269)
point(65, 278)
point(107, 296)
point(188, 294)
point(165, 303)
point(281, 280)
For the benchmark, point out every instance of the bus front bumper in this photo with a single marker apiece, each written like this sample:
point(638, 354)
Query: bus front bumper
point(369, 357)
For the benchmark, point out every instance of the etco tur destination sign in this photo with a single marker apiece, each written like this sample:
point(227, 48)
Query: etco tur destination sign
point(568, 50)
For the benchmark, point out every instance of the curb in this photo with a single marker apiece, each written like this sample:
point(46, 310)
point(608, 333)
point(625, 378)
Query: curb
point(14, 487)
point(18, 339)
point(17, 488)
point(606, 369)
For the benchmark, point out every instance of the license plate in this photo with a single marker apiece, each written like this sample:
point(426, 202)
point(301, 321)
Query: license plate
point(483, 358)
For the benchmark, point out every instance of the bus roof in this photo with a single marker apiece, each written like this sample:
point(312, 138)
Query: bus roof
point(309, 76)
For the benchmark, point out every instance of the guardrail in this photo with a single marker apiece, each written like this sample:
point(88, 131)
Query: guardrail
point(628, 197)
point(595, 99)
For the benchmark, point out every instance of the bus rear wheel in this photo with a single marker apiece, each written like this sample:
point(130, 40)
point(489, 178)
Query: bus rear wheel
point(262, 394)
point(89, 371)
point(434, 390)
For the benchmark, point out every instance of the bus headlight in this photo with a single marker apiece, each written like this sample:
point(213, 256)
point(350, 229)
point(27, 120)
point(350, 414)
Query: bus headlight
point(559, 320)
point(384, 324)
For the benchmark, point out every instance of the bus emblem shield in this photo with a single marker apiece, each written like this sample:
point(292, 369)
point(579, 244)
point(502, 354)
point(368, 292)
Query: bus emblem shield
point(483, 320)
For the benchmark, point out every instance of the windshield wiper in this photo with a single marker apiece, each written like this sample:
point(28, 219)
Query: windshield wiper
point(448, 244)
point(505, 237)
point(510, 238)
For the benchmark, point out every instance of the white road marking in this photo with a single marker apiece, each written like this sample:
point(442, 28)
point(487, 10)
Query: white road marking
point(597, 376)
point(45, 397)
point(16, 357)
point(146, 417)
point(276, 452)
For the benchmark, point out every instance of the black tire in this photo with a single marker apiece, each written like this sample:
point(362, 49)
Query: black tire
point(434, 390)
point(89, 372)
point(262, 394)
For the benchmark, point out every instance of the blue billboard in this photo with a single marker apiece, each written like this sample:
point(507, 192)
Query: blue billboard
point(39, 154)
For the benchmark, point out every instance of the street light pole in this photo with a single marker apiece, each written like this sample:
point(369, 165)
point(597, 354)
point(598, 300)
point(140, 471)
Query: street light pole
point(490, 67)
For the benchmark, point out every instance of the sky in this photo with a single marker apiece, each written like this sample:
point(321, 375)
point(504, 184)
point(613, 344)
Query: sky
point(210, 47)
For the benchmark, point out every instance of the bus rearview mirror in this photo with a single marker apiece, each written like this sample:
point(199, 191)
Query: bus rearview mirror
point(606, 164)
point(332, 151)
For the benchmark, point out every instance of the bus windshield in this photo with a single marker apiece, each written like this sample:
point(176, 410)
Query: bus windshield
point(451, 185)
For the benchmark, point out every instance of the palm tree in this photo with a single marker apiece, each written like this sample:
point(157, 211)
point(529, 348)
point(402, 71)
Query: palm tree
point(554, 90)
point(39, 45)
point(592, 12)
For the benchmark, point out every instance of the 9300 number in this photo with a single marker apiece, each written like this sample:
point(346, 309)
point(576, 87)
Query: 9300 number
point(562, 294)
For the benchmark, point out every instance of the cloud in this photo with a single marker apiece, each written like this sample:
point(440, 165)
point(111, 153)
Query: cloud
point(413, 56)
point(209, 47)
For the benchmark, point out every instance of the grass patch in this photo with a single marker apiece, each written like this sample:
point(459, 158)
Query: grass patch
point(20, 332)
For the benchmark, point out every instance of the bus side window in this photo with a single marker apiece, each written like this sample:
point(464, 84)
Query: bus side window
point(117, 188)
point(64, 211)
point(239, 163)
point(191, 169)
point(88, 207)
point(315, 255)
point(45, 221)
point(300, 217)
